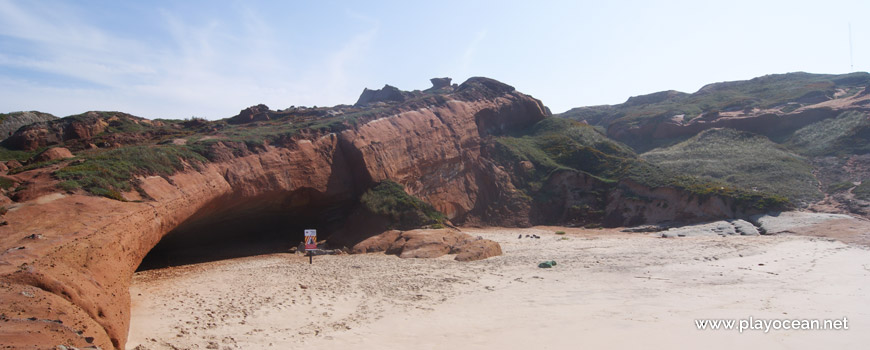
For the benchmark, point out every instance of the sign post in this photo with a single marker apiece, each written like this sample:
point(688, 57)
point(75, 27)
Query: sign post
point(310, 244)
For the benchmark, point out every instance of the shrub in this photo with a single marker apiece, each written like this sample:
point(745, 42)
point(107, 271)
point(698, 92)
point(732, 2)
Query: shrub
point(848, 133)
point(111, 172)
point(389, 199)
point(740, 159)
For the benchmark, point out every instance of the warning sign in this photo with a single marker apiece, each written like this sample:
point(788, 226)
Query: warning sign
point(310, 239)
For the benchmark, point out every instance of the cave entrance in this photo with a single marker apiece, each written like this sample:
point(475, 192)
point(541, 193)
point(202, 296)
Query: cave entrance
point(231, 228)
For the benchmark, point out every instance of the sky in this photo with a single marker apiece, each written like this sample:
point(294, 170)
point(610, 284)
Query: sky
point(210, 59)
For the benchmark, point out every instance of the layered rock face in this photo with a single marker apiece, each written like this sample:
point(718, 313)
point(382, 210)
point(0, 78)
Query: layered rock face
point(46, 133)
point(68, 259)
point(766, 122)
point(79, 130)
point(10, 122)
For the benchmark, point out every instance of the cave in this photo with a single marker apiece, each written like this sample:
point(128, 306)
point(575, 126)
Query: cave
point(232, 227)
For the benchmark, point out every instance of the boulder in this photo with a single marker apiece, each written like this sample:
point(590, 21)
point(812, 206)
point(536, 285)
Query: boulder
point(438, 83)
point(12, 164)
point(478, 250)
point(427, 250)
point(379, 243)
point(744, 228)
point(53, 154)
point(415, 239)
point(429, 243)
point(256, 113)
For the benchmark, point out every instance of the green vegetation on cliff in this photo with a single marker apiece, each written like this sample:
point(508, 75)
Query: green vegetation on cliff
point(558, 143)
point(405, 211)
point(785, 92)
point(555, 143)
point(130, 146)
point(743, 160)
point(110, 172)
point(848, 133)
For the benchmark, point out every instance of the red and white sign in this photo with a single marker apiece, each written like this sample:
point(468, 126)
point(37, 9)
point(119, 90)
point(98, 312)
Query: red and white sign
point(310, 239)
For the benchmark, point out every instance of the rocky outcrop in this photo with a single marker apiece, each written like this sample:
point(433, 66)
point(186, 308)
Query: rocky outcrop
point(477, 249)
point(655, 97)
point(64, 278)
point(251, 114)
point(79, 270)
point(10, 122)
point(49, 133)
point(78, 132)
point(439, 83)
point(53, 153)
point(12, 164)
point(377, 243)
point(445, 167)
point(430, 244)
point(386, 94)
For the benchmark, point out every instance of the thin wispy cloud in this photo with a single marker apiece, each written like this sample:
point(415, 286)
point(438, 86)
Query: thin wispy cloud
point(60, 44)
point(174, 59)
point(210, 67)
point(470, 53)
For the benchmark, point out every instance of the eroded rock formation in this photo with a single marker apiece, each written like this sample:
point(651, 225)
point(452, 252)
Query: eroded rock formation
point(66, 259)
point(64, 278)
point(438, 83)
point(10, 122)
point(429, 244)
point(388, 93)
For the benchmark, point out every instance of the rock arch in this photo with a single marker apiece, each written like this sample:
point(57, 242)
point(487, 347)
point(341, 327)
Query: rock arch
point(69, 282)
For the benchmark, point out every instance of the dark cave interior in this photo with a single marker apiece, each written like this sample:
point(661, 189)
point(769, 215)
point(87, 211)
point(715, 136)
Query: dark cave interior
point(231, 228)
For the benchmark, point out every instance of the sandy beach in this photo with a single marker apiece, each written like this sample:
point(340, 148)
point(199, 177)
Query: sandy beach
point(608, 290)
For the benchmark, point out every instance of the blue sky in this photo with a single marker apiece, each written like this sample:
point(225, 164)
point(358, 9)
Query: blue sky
point(177, 59)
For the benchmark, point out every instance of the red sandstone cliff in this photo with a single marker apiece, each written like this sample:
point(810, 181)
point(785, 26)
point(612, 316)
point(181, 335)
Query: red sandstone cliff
point(67, 259)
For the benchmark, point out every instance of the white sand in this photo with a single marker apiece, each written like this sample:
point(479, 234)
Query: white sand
point(608, 290)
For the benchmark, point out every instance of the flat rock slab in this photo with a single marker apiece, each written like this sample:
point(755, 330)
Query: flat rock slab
point(766, 224)
point(707, 229)
point(744, 228)
point(790, 221)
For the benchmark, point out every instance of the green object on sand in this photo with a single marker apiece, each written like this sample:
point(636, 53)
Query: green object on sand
point(547, 264)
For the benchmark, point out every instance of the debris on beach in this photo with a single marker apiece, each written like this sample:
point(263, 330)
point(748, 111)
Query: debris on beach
point(547, 264)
